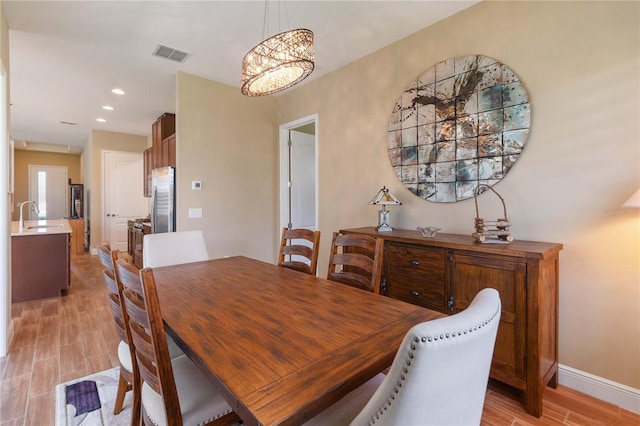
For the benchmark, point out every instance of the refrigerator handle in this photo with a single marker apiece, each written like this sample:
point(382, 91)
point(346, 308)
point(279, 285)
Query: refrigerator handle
point(153, 209)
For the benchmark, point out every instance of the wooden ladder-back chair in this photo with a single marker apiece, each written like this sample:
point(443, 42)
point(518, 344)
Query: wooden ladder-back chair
point(356, 260)
point(173, 391)
point(128, 371)
point(291, 246)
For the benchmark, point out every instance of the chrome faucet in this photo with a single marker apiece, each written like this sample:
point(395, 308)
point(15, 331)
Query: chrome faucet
point(21, 223)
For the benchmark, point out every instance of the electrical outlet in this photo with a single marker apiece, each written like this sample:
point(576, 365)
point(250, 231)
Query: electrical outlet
point(193, 213)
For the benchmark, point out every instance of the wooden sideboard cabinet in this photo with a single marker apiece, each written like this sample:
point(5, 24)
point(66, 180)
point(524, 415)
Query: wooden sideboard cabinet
point(444, 273)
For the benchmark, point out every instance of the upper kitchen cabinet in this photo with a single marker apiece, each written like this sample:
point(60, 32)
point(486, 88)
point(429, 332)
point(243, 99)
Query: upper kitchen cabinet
point(168, 151)
point(163, 149)
point(163, 128)
point(148, 163)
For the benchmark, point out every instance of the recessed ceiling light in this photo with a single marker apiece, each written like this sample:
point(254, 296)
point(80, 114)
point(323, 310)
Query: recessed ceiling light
point(101, 120)
point(107, 107)
point(118, 91)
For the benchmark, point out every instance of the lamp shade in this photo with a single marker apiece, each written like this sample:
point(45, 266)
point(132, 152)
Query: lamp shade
point(278, 63)
point(385, 197)
point(633, 201)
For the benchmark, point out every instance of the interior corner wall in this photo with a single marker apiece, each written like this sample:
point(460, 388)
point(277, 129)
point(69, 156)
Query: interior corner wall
point(229, 143)
point(99, 141)
point(579, 62)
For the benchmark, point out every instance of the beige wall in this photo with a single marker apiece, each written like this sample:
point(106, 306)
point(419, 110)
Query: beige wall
point(103, 141)
point(22, 160)
point(229, 143)
point(580, 64)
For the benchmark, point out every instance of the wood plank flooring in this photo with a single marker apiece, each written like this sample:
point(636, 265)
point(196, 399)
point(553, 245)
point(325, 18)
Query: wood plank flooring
point(61, 339)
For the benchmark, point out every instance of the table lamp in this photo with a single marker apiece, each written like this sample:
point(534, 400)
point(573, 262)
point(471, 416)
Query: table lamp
point(385, 198)
point(633, 201)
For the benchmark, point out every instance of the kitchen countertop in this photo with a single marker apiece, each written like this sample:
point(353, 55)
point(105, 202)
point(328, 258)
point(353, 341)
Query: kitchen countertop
point(41, 227)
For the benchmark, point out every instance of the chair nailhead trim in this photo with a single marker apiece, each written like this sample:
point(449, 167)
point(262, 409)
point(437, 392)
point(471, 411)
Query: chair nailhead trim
point(405, 370)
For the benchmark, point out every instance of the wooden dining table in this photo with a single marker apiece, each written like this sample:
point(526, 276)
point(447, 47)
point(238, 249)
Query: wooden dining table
point(280, 345)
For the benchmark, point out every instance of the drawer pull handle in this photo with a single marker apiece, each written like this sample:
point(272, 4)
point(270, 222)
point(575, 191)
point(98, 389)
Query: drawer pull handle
point(415, 293)
point(415, 262)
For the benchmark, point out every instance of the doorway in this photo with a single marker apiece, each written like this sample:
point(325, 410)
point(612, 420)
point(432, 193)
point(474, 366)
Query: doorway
point(48, 188)
point(298, 174)
point(123, 195)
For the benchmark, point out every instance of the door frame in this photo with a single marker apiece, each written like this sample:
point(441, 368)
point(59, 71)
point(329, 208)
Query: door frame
point(283, 183)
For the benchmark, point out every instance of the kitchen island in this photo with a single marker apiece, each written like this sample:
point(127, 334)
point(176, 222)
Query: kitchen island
point(40, 259)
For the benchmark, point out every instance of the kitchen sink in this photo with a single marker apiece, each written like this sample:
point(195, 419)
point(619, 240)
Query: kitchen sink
point(44, 226)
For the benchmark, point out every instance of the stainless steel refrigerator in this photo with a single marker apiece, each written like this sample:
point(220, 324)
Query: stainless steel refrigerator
point(163, 196)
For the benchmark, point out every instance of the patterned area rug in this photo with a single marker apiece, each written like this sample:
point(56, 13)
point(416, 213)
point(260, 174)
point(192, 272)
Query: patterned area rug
point(89, 401)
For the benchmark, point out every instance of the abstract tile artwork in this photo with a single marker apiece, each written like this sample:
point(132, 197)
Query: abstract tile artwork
point(462, 123)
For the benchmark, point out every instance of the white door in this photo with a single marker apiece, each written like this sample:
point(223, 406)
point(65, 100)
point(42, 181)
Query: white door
point(123, 195)
point(298, 187)
point(303, 180)
point(48, 187)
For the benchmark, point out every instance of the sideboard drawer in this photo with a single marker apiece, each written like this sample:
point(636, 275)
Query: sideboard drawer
point(420, 262)
point(417, 275)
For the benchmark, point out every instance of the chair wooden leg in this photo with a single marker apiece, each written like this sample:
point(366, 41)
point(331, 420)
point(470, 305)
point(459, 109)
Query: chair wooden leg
point(123, 386)
point(136, 418)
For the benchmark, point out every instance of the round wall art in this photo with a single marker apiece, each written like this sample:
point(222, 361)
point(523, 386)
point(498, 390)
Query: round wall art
point(462, 123)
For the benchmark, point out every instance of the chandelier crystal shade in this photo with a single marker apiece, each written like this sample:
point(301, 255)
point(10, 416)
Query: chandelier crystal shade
point(278, 63)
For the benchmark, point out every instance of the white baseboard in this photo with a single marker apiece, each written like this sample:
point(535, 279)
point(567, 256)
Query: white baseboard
point(600, 388)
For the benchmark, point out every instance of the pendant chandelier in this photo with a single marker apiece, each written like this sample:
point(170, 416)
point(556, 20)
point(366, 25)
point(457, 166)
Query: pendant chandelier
point(277, 63)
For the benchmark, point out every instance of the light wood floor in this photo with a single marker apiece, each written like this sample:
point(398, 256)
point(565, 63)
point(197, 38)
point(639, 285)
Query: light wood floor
point(61, 339)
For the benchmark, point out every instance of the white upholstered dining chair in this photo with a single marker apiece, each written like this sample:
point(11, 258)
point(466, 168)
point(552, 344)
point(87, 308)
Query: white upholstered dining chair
point(173, 248)
point(438, 377)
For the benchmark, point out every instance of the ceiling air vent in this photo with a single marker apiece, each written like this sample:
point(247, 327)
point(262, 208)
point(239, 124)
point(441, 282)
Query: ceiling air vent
point(170, 53)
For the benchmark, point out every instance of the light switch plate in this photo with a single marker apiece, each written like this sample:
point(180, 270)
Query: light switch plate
point(196, 185)
point(195, 213)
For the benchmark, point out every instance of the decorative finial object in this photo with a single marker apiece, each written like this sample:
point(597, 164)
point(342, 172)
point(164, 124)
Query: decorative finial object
point(491, 231)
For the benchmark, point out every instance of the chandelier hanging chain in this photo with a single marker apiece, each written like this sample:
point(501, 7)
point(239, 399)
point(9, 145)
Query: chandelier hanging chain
point(265, 19)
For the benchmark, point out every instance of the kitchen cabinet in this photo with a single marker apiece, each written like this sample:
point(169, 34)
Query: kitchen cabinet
point(131, 238)
point(147, 167)
point(162, 152)
point(77, 235)
point(162, 128)
point(444, 273)
point(40, 260)
point(135, 242)
point(168, 151)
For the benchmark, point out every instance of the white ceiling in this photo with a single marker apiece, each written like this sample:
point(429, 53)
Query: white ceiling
point(66, 56)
